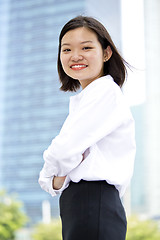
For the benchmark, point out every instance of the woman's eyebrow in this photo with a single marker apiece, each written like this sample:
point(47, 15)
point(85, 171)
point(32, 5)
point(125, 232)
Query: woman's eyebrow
point(64, 44)
point(68, 44)
point(89, 41)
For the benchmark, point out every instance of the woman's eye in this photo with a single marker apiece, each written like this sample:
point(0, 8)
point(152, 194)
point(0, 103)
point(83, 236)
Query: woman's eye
point(66, 50)
point(86, 48)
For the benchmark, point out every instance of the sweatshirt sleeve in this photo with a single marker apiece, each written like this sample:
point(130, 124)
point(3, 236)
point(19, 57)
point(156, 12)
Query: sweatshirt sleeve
point(99, 112)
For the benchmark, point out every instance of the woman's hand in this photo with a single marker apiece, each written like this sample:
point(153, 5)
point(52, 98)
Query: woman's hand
point(57, 182)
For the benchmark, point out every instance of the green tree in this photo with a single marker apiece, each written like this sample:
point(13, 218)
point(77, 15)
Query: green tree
point(142, 229)
point(11, 216)
point(51, 231)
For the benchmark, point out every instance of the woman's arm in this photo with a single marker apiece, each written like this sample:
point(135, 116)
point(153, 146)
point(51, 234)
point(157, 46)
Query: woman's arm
point(57, 182)
point(98, 114)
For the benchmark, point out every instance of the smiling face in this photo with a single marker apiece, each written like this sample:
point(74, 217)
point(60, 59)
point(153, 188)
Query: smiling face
point(82, 56)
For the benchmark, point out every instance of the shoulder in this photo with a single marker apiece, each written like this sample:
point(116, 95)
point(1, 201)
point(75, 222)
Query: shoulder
point(103, 87)
point(105, 82)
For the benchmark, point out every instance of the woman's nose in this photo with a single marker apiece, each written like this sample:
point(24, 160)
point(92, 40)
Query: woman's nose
point(76, 56)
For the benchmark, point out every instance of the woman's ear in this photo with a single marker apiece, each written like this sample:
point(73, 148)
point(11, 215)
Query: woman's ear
point(107, 53)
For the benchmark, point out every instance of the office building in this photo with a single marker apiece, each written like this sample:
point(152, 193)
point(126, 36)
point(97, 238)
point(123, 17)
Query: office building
point(33, 106)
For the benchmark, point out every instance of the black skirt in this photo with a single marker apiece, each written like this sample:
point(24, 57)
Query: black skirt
point(92, 210)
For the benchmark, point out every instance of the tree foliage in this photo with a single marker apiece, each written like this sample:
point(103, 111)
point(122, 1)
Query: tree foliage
point(51, 231)
point(142, 229)
point(137, 230)
point(11, 216)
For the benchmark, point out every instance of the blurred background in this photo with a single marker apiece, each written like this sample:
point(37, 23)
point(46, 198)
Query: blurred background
point(33, 109)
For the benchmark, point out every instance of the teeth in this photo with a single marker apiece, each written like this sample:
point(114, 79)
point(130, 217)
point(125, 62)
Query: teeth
point(78, 66)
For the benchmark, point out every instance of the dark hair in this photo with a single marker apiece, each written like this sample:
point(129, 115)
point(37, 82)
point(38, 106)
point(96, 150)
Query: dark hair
point(115, 66)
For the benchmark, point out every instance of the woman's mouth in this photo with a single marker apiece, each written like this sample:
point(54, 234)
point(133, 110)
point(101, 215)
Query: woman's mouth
point(78, 66)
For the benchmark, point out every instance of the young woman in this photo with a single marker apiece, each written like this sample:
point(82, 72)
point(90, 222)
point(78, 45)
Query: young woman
point(91, 161)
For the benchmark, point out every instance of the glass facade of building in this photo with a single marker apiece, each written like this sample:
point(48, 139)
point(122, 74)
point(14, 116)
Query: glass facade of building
point(3, 40)
point(34, 108)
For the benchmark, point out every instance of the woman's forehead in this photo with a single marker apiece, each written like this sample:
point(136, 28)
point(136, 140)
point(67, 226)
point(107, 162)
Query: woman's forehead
point(81, 35)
